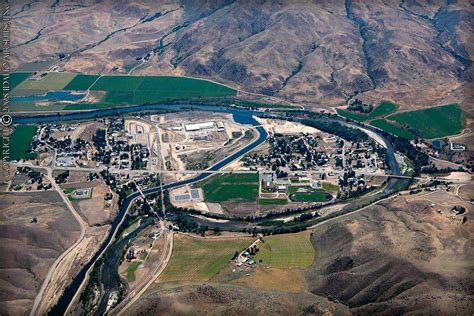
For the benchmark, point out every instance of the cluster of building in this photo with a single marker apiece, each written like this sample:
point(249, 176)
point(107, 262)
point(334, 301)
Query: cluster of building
point(304, 152)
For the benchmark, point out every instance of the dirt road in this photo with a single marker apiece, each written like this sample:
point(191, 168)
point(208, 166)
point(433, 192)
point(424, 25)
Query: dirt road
point(81, 222)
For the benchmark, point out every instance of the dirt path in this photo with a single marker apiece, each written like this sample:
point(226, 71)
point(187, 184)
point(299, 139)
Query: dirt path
point(133, 296)
point(52, 270)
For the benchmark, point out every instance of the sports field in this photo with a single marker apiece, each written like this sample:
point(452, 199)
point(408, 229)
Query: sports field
point(311, 195)
point(20, 141)
point(392, 129)
point(199, 259)
point(286, 251)
point(231, 187)
point(273, 201)
point(52, 81)
point(433, 122)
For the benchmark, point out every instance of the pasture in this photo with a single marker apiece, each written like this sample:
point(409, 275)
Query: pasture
point(132, 268)
point(52, 81)
point(392, 129)
point(433, 122)
point(286, 251)
point(199, 259)
point(231, 187)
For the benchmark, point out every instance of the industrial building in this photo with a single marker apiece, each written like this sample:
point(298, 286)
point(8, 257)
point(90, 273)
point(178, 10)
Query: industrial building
point(198, 126)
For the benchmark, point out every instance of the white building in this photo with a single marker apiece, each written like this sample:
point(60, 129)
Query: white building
point(198, 126)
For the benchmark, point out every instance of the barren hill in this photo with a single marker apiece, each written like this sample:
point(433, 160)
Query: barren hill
point(398, 257)
point(416, 53)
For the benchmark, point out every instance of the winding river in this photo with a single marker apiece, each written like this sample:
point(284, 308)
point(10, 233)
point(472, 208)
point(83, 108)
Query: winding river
point(241, 116)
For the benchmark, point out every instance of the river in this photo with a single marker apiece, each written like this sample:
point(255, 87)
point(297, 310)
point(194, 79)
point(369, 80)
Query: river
point(239, 115)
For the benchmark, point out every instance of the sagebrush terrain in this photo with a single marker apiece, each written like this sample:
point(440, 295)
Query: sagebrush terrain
point(417, 53)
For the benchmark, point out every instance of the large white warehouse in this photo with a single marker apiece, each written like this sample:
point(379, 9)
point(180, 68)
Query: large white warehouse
point(198, 126)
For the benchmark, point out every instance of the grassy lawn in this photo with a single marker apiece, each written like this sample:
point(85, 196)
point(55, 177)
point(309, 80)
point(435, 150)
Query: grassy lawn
point(384, 108)
point(433, 122)
point(330, 187)
point(52, 81)
point(287, 251)
point(273, 201)
point(392, 129)
point(20, 141)
point(131, 270)
point(198, 259)
point(231, 187)
point(81, 82)
point(18, 77)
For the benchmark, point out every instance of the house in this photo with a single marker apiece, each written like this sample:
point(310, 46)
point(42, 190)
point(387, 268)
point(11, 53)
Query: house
point(458, 210)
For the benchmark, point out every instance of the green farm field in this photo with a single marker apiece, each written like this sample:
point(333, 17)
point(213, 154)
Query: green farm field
point(18, 77)
point(20, 141)
point(231, 187)
point(392, 129)
point(433, 122)
point(383, 109)
point(352, 115)
point(52, 81)
point(120, 90)
point(286, 251)
point(81, 82)
point(199, 259)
